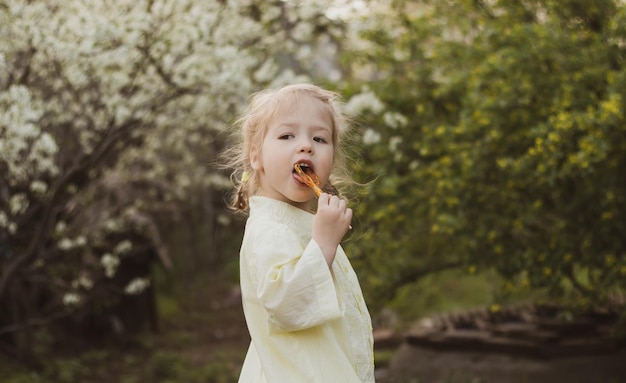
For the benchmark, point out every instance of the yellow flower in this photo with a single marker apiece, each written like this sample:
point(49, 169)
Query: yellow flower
point(609, 259)
point(607, 215)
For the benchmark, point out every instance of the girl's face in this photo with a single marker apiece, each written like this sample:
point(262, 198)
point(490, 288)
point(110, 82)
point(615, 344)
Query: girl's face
point(301, 134)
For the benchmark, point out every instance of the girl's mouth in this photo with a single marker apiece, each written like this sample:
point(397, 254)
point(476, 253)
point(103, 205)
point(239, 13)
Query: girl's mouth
point(303, 166)
point(308, 177)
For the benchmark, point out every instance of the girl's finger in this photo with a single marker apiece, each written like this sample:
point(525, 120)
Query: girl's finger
point(323, 199)
point(342, 204)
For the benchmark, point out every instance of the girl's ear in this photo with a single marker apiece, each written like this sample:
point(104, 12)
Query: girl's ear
point(255, 159)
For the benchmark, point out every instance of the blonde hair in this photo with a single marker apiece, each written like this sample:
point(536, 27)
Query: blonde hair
point(254, 124)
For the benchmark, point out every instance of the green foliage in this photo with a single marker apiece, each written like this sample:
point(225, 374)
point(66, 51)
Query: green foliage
point(167, 299)
point(511, 152)
point(448, 291)
point(159, 367)
point(166, 367)
point(27, 377)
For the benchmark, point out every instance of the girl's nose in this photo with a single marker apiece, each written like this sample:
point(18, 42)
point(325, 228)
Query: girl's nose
point(305, 147)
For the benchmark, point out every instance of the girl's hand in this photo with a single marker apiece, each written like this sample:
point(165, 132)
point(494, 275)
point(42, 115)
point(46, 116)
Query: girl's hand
point(330, 224)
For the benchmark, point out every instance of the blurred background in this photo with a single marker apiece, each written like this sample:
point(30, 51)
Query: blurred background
point(489, 142)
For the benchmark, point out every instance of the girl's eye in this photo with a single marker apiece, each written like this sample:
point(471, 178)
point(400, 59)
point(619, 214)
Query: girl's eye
point(320, 139)
point(285, 136)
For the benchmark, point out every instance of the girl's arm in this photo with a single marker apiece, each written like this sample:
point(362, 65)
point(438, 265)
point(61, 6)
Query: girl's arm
point(293, 282)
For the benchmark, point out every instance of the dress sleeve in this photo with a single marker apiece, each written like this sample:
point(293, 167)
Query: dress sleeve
point(295, 284)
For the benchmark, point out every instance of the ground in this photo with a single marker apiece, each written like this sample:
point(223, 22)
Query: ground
point(418, 365)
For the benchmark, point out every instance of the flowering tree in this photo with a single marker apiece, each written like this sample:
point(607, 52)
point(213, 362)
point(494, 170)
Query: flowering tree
point(110, 115)
point(496, 131)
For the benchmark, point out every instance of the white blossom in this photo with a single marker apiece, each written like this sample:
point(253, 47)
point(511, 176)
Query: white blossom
point(110, 263)
point(302, 31)
point(371, 137)
point(60, 227)
point(401, 54)
point(18, 204)
point(71, 299)
point(38, 187)
point(394, 120)
point(112, 225)
point(365, 101)
point(65, 244)
point(394, 142)
point(80, 241)
point(123, 247)
point(288, 76)
point(85, 282)
point(68, 244)
point(18, 116)
point(137, 286)
point(4, 220)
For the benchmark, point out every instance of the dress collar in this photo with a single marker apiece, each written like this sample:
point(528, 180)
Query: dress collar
point(281, 212)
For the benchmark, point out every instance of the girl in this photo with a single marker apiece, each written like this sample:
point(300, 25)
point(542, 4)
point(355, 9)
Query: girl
point(302, 301)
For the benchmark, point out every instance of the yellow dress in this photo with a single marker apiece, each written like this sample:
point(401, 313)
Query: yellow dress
point(306, 323)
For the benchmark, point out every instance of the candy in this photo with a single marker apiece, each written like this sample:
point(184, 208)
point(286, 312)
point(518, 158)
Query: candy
point(311, 181)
